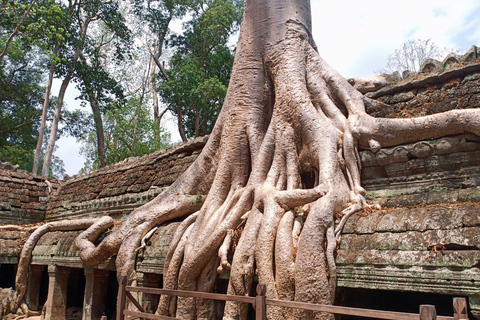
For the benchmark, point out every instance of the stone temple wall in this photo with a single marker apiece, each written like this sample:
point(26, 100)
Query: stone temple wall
point(425, 240)
point(118, 189)
point(454, 88)
point(446, 163)
point(23, 196)
point(427, 237)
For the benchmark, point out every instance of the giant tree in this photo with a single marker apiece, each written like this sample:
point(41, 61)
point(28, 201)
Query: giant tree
point(284, 145)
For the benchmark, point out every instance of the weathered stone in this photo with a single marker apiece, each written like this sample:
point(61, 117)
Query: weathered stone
point(368, 84)
point(422, 149)
point(428, 242)
point(402, 97)
point(7, 300)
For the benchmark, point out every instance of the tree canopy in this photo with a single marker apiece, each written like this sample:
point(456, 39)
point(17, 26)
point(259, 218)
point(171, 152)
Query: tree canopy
point(199, 69)
point(117, 62)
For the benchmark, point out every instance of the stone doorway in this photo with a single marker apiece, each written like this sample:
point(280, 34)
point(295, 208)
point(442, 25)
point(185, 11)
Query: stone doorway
point(393, 301)
point(75, 294)
point(111, 296)
point(7, 275)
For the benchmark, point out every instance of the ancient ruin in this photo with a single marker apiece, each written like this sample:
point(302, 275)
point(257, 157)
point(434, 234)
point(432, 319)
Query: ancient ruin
point(425, 240)
point(295, 151)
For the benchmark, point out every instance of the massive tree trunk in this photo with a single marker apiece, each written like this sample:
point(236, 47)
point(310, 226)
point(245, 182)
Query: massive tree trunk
point(281, 161)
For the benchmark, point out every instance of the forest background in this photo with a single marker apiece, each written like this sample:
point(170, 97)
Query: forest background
point(112, 72)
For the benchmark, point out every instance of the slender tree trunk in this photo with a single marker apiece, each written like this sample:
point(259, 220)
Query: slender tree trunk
point(97, 117)
point(197, 124)
point(133, 149)
point(156, 112)
point(46, 100)
point(145, 84)
point(181, 128)
point(53, 131)
point(157, 115)
point(58, 109)
point(137, 119)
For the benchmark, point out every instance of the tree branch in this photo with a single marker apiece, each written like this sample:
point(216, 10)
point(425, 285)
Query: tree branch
point(23, 125)
point(160, 66)
point(17, 29)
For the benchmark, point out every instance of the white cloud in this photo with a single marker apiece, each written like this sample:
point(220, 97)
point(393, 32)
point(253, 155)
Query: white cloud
point(356, 37)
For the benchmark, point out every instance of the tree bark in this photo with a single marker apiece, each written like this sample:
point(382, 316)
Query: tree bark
point(157, 117)
point(53, 131)
point(181, 128)
point(280, 163)
point(97, 119)
point(61, 95)
point(36, 159)
point(97, 116)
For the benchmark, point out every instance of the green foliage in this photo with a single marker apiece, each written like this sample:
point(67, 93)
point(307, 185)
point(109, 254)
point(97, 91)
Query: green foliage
point(98, 83)
point(76, 123)
point(51, 33)
point(126, 125)
point(158, 14)
point(200, 68)
point(21, 97)
point(21, 101)
point(44, 23)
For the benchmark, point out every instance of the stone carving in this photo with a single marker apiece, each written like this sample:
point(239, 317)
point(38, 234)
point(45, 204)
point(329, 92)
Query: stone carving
point(431, 65)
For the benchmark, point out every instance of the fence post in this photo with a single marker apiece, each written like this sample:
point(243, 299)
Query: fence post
point(121, 297)
point(428, 312)
point(460, 308)
point(260, 307)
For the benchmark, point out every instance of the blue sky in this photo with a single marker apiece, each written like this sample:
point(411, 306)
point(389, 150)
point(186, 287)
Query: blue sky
point(356, 37)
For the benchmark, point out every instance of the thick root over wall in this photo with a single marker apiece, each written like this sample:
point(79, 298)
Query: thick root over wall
point(281, 162)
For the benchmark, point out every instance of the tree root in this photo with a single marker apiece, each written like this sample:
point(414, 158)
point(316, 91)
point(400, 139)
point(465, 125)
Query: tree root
point(284, 156)
point(145, 239)
point(223, 252)
point(347, 213)
point(26, 253)
point(11, 227)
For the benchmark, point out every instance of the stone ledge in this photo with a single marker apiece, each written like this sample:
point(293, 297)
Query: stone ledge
point(156, 156)
point(425, 80)
point(103, 206)
point(443, 281)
